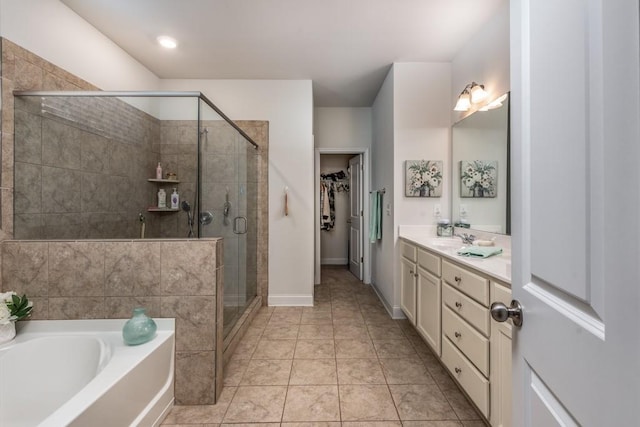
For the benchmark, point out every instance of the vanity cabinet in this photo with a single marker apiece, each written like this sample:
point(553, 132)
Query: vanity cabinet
point(500, 361)
point(466, 331)
point(428, 308)
point(421, 292)
point(408, 279)
point(448, 303)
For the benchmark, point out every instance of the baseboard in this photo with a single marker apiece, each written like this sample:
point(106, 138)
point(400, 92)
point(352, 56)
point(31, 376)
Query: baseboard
point(290, 300)
point(394, 311)
point(334, 261)
point(398, 313)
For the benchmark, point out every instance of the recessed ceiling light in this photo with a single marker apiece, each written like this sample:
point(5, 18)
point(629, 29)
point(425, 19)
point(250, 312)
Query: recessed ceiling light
point(167, 42)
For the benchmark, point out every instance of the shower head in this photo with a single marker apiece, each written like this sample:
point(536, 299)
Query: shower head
point(186, 206)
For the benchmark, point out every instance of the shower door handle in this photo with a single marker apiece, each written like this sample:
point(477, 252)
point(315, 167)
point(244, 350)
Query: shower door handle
point(242, 221)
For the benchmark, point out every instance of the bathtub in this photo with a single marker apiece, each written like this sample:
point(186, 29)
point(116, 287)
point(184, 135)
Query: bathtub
point(80, 373)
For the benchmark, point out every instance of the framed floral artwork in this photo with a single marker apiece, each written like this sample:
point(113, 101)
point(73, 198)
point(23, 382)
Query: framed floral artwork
point(423, 178)
point(478, 178)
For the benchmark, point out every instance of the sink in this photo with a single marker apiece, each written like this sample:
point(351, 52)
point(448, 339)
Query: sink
point(445, 243)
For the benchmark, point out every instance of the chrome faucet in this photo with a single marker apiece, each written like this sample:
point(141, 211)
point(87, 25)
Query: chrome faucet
point(467, 238)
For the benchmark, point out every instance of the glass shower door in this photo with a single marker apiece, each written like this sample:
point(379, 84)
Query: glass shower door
point(226, 194)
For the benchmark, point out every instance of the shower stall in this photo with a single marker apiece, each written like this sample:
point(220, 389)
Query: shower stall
point(85, 168)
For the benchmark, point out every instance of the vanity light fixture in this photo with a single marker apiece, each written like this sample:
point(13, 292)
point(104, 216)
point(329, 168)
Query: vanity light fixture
point(472, 93)
point(464, 101)
point(497, 103)
point(167, 42)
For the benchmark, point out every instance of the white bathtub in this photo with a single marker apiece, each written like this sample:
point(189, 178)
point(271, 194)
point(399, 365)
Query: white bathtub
point(80, 373)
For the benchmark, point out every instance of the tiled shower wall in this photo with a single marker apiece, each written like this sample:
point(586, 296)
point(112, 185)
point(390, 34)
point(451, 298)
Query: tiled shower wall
point(107, 279)
point(81, 168)
point(23, 70)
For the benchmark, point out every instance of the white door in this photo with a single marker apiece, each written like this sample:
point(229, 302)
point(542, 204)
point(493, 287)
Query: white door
point(576, 211)
point(355, 216)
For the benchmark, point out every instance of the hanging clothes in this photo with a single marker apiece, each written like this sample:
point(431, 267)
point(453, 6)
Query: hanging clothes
point(327, 207)
point(330, 184)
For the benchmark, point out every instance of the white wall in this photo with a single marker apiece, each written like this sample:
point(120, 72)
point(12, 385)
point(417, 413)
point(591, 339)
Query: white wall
point(51, 30)
point(410, 122)
point(333, 243)
point(288, 106)
point(342, 127)
point(421, 132)
point(485, 60)
point(382, 251)
point(344, 130)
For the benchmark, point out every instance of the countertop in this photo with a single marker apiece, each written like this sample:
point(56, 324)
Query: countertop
point(497, 266)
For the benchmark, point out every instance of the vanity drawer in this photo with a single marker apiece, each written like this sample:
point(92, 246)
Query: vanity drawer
point(474, 313)
point(409, 251)
point(429, 262)
point(477, 287)
point(471, 342)
point(471, 380)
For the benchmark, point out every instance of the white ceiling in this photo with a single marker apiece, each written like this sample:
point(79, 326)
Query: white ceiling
point(344, 46)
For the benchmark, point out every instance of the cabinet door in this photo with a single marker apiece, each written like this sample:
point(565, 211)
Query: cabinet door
point(429, 308)
point(500, 347)
point(408, 289)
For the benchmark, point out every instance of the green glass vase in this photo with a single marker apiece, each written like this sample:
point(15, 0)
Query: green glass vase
point(139, 329)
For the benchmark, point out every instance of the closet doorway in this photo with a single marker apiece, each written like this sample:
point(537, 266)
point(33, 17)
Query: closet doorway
point(342, 211)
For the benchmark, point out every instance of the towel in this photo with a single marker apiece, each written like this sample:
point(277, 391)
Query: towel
point(479, 251)
point(375, 222)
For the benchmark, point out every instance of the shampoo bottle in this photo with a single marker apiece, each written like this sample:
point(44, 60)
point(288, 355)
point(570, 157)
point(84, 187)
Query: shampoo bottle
point(159, 171)
point(162, 198)
point(175, 199)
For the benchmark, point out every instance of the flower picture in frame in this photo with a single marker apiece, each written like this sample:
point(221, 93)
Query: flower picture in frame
point(423, 178)
point(478, 178)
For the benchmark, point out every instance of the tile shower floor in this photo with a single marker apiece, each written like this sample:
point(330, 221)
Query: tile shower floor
point(343, 362)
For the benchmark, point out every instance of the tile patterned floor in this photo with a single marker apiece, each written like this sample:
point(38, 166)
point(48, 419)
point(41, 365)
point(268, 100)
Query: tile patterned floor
point(343, 362)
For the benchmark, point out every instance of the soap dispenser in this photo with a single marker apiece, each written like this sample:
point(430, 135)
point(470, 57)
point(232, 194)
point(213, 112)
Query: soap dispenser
point(175, 199)
point(162, 199)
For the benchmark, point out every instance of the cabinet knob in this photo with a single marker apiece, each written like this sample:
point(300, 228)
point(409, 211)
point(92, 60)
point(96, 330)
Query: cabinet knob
point(458, 370)
point(458, 304)
point(457, 334)
point(415, 275)
point(458, 279)
point(410, 271)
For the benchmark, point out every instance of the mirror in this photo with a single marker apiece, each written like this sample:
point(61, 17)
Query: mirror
point(480, 170)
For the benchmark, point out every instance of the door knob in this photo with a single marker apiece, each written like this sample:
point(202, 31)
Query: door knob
point(501, 312)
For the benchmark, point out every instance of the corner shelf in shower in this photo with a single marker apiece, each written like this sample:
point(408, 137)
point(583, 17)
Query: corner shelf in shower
point(155, 209)
point(164, 181)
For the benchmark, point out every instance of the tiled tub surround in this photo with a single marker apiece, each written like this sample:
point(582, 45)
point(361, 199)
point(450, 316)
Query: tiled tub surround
point(107, 279)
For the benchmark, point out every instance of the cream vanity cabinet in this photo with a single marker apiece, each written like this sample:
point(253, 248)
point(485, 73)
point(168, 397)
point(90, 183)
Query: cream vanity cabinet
point(500, 361)
point(449, 306)
point(420, 292)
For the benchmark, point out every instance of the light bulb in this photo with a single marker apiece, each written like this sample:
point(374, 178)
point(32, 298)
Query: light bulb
point(478, 94)
point(463, 103)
